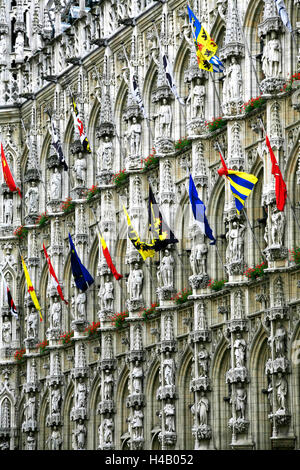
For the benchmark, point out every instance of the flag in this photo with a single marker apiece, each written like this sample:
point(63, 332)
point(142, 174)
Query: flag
point(280, 186)
point(241, 184)
point(7, 174)
point(82, 277)
point(205, 46)
point(31, 289)
point(282, 12)
point(135, 90)
point(10, 302)
point(146, 250)
point(53, 276)
point(57, 145)
point(170, 78)
point(78, 123)
point(198, 209)
point(107, 256)
point(217, 65)
point(161, 233)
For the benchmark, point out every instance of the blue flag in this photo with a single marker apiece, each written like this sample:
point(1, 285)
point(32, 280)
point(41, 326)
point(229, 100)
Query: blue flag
point(82, 277)
point(199, 212)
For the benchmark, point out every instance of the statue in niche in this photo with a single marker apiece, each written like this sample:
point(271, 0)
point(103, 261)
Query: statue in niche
point(55, 185)
point(164, 119)
point(32, 323)
point(137, 378)
point(105, 432)
point(106, 154)
point(3, 46)
point(203, 408)
point(280, 341)
point(201, 317)
point(239, 347)
point(202, 361)
point(238, 305)
point(270, 393)
point(6, 331)
point(239, 399)
point(81, 394)
point(19, 47)
point(235, 80)
point(79, 169)
point(198, 256)
point(56, 314)
point(168, 334)
point(32, 199)
point(281, 392)
point(8, 210)
point(197, 99)
point(80, 306)
point(169, 376)
point(135, 282)
point(271, 58)
point(108, 349)
point(30, 410)
point(137, 339)
point(79, 436)
point(106, 294)
point(31, 441)
point(169, 413)
point(137, 424)
point(235, 237)
point(108, 386)
point(133, 137)
point(55, 399)
point(277, 227)
point(166, 270)
point(55, 439)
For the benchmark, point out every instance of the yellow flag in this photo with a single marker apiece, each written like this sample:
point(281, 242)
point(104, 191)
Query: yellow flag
point(146, 250)
point(203, 63)
point(31, 289)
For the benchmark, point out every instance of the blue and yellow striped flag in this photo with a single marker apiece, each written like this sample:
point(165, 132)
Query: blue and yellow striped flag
point(241, 184)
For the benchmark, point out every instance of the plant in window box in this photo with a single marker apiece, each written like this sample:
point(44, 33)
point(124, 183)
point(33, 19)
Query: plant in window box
point(21, 232)
point(67, 206)
point(42, 219)
point(118, 319)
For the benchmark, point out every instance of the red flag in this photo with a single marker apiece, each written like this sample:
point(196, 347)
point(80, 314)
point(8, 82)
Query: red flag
point(109, 260)
point(53, 276)
point(224, 170)
point(7, 174)
point(280, 186)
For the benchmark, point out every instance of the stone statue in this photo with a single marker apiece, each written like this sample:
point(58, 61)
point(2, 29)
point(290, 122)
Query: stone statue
point(166, 270)
point(135, 282)
point(203, 408)
point(281, 392)
point(55, 185)
point(31, 441)
point(235, 81)
point(32, 324)
point(79, 436)
point(239, 347)
point(198, 257)
point(137, 424)
point(169, 372)
point(55, 400)
point(168, 333)
point(164, 119)
point(280, 341)
point(137, 339)
point(80, 304)
point(277, 227)
point(32, 199)
point(56, 314)
point(55, 439)
point(106, 154)
point(133, 137)
point(271, 58)
point(6, 331)
point(79, 168)
point(106, 294)
point(8, 210)
point(169, 412)
point(202, 361)
point(108, 386)
point(105, 432)
point(201, 317)
point(137, 379)
point(81, 394)
point(29, 411)
point(19, 47)
point(236, 243)
point(240, 399)
point(197, 99)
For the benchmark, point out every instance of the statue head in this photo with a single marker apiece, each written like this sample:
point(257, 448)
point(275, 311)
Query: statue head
point(136, 266)
point(134, 120)
point(164, 100)
point(167, 252)
point(273, 35)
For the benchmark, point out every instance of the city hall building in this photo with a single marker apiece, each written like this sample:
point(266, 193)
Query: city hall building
point(197, 346)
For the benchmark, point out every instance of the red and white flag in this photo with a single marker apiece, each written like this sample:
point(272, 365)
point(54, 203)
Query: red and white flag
point(9, 180)
point(53, 276)
point(10, 302)
point(280, 186)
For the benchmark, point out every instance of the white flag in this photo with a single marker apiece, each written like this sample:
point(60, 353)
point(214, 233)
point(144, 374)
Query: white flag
point(283, 15)
point(170, 78)
point(135, 91)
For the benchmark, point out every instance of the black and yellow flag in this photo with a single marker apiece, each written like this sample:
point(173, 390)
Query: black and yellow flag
point(161, 233)
point(146, 250)
point(79, 124)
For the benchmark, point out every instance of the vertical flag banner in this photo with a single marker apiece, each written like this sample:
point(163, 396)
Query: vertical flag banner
point(53, 276)
point(280, 186)
point(161, 233)
point(108, 259)
point(282, 12)
point(82, 277)
point(135, 90)
point(57, 145)
point(9, 299)
point(199, 209)
point(241, 184)
point(31, 289)
point(170, 77)
point(78, 123)
point(146, 250)
point(7, 174)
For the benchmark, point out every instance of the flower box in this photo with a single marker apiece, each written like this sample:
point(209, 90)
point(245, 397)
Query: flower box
point(21, 232)
point(120, 178)
point(151, 161)
point(118, 319)
point(92, 330)
point(147, 313)
point(65, 338)
point(295, 255)
point(91, 192)
point(254, 103)
point(182, 296)
point(182, 144)
point(43, 346)
point(216, 285)
point(257, 271)
point(216, 123)
point(67, 206)
point(289, 83)
point(19, 355)
point(42, 219)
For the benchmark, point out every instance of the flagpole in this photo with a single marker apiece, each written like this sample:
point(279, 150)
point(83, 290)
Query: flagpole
point(220, 259)
point(38, 310)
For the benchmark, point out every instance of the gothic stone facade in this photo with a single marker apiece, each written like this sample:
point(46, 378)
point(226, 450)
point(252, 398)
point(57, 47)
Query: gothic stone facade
point(219, 371)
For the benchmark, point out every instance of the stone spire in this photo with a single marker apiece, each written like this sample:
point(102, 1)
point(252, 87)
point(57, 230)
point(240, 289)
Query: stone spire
point(233, 42)
point(3, 19)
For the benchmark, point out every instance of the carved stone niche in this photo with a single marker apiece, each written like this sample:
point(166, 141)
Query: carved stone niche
point(79, 372)
point(268, 25)
point(107, 364)
point(281, 417)
point(54, 380)
point(54, 419)
point(201, 336)
point(131, 111)
point(76, 147)
point(79, 325)
point(78, 413)
point(272, 85)
point(135, 399)
point(167, 346)
point(160, 93)
point(164, 145)
point(133, 356)
point(106, 406)
point(134, 305)
point(192, 73)
point(200, 383)
point(239, 425)
point(199, 281)
point(166, 391)
point(32, 174)
point(202, 432)
point(168, 438)
point(237, 374)
point(165, 293)
point(237, 325)
point(280, 364)
point(105, 129)
point(52, 160)
point(276, 253)
point(276, 313)
point(104, 178)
